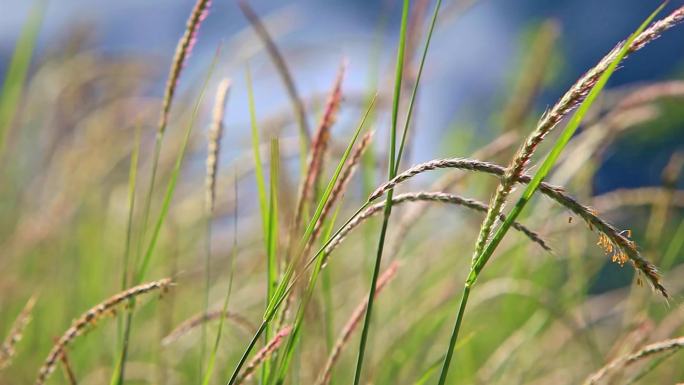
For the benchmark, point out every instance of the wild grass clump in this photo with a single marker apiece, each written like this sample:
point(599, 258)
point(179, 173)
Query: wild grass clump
point(280, 249)
point(91, 317)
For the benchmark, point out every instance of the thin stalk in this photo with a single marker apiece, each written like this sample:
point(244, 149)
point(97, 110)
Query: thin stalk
point(286, 77)
point(388, 206)
point(118, 376)
point(272, 239)
point(258, 167)
point(245, 355)
point(132, 178)
point(327, 287)
point(217, 341)
point(412, 100)
point(454, 334)
point(481, 260)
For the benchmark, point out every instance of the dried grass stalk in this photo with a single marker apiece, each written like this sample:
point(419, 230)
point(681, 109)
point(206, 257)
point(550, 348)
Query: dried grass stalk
point(183, 50)
point(264, 353)
point(353, 323)
point(319, 143)
point(645, 352)
point(215, 134)
point(7, 350)
point(281, 67)
point(90, 318)
point(623, 247)
point(551, 118)
point(191, 323)
point(445, 184)
point(342, 183)
point(429, 197)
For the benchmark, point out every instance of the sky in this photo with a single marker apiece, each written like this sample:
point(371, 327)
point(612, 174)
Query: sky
point(469, 67)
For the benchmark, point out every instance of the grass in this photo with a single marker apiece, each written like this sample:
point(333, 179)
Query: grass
point(13, 83)
point(280, 286)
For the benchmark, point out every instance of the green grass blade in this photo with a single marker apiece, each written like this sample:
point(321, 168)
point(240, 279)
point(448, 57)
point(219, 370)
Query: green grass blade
point(429, 372)
point(414, 92)
point(118, 374)
point(272, 228)
point(284, 287)
point(171, 187)
point(543, 171)
point(132, 178)
point(388, 206)
point(286, 76)
point(15, 77)
point(272, 237)
point(212, 358)
point(258, 166)
point(132, 188)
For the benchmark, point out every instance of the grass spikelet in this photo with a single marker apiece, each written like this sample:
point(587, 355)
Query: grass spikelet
point(7, 350)
point(647, 351)
point(213, 153)
point(90, 318)
point(68, 369)
point(264, 353)
point(353, 323)
point(319, 143)
point(343, 182)
point(556, 193)
point(444, 184)
point(183, 50)
point(215, 134)
point(193, 322)
point(575, 95)
point(428, 197)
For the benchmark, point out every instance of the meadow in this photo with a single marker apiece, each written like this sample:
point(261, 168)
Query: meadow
point(148, 237)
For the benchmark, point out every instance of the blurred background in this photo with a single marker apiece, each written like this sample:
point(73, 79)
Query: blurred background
point(475, 57)
point(96, 77)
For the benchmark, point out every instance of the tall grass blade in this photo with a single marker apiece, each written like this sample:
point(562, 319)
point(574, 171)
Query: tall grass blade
point(132, 178)
point(258, 166)
point(233, 255)
point(414, 92)
point(285, 75)
point(171, 187)
point(388, 207)
point(272, 237)
point(283, 285)
point(118, 375)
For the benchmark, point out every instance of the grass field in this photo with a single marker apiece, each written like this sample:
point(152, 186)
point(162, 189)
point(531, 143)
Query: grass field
point(147, 237)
